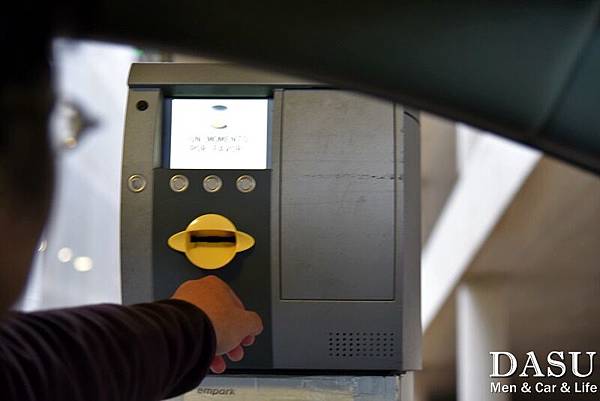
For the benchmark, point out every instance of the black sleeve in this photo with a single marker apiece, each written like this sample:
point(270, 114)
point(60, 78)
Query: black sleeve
point(104, 352)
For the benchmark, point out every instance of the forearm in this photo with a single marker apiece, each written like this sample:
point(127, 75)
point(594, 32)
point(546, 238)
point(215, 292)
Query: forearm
point(105, 352)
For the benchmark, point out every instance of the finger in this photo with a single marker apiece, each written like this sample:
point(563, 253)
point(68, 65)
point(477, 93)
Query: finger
point(236, 354)
point(218, 365)
point(248, 341)
point(253, 322)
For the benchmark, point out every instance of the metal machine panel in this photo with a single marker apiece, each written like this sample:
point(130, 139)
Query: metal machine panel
point(334, 272)
point(142, 141)
point(337, 196)
point(248, 273)
point(346, 333)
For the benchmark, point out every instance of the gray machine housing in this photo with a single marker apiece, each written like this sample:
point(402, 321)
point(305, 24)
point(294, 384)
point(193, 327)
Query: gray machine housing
point(335, 272)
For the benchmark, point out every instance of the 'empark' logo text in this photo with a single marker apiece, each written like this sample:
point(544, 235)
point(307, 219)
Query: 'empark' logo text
point(215, 391)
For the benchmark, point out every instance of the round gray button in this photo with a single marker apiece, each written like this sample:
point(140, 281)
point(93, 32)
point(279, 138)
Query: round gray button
point(212, 183)
point(179, 183)
point(245, 183)
point(136, 183)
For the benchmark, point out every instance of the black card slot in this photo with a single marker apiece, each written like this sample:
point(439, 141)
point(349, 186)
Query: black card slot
point(212, 239)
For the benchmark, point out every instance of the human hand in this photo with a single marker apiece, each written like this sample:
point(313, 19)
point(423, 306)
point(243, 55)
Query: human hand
point(234, 325)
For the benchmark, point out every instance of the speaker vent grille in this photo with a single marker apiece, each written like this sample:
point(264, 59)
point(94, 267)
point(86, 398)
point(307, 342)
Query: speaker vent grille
point(371, 344)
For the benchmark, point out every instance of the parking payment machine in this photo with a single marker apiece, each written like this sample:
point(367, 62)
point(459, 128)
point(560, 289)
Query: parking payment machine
point(304, 198)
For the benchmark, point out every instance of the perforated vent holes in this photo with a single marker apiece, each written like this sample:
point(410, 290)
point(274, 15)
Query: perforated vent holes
point(362, 345)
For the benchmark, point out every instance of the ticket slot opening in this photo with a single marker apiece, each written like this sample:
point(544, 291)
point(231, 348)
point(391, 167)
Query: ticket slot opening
point(212, 237)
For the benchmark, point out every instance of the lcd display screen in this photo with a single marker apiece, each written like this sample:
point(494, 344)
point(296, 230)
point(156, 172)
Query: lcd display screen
point(213, 134)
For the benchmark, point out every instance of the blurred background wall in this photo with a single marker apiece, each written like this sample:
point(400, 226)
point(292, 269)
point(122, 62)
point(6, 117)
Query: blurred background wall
point(512, 263)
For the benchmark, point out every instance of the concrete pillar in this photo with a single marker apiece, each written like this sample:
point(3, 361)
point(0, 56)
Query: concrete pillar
point(482, 327)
